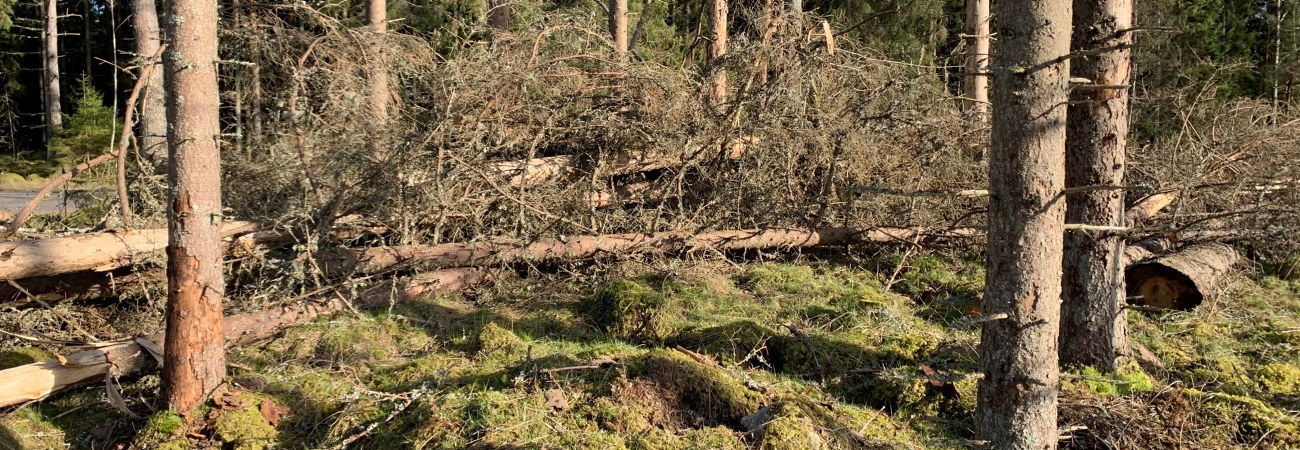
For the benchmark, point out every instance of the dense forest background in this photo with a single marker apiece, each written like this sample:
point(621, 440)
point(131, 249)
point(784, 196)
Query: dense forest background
point(1247, 48)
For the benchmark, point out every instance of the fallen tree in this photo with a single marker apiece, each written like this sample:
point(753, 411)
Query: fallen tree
point(36, 381)
point(1180, 280)
point(97, 252)
point(375, 260)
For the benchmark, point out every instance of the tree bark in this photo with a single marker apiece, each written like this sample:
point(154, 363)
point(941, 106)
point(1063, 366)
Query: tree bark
point(50, 54)
point(38, 380)
point(376, 260)
point(1180, 280)
point(1094, 328)
point(377, 17)
point(795, 9)
point(499, 15)
point(1016, 405)
point(977, 59)
point(618, 26)
point(194, 361)
point(98, 252)
point(152, 141)
point(718, 49)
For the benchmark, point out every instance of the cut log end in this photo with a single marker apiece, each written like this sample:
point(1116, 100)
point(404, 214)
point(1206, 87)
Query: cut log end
point(1182, 280)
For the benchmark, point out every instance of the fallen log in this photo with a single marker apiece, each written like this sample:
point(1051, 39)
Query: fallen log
point(1148, 207)
point(374, 260)
point(98, 251)
point(632, 193)
point(36, 381)
point(80, 286)
point(1180, 280)
point(531, 172)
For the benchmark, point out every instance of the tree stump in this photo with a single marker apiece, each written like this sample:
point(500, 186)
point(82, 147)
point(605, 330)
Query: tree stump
point(1181, 280)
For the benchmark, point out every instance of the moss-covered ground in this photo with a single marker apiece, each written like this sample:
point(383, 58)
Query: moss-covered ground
point(802, 354)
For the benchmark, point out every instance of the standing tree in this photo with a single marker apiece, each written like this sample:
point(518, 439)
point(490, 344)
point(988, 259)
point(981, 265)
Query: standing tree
point(1016, 405)
point(153, 110)
point(795, 9)
point(618, 26)
point(977, 58)
point(1093, 323)
point(377, 16)
point(499, 15)
point(717, 49)
point(50, 54)
point(194, 360)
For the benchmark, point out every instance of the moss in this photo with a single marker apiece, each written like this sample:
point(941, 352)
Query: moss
point(789, 428)
point(23, 355)
point(244, 428)
point(1278, 378)
point(632, 310)
point(1129, 378)
point(1254, 420)
point(785, 282)
point(717, 397)
point(11, 178)
point(161, 430)
point(492, 338)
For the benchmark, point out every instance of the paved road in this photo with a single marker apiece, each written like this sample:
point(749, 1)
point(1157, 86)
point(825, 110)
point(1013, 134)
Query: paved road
point(12, 201)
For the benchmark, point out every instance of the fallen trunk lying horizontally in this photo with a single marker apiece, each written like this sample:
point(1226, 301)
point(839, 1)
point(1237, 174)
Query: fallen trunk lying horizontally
point(375, 260)
point(1180, 280)
point(38, 380)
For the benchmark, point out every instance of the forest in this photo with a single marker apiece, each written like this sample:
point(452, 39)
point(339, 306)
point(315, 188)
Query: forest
point(650, 224)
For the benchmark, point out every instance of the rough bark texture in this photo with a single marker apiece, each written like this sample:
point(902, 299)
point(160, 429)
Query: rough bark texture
point(977, 58)
point(38, 380)
point(194, 362)
point(153, 109)
point(1094, 329)
point(718, 49)
point(618, 25)
point(1016, 405)
point(377, 16)
point(1180, 280)
point(499, 15)
point(50, 54)
point(375, 260)
point(98, 251)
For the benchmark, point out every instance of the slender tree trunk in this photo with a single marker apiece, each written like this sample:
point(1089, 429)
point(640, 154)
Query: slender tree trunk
point(1016, 405)
point(377, 17)
point(1277, 56)
point(717, 49)
point(255, 78)
point(50, 40)
point(977, 58)
point(153, 110)
point(1093, 322)
point(618, 26)
point(499, 15)
point(85, 36)
point(194, 361)
point(795, 9)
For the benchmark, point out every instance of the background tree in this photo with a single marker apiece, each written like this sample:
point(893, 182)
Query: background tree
point(50, 54)
point(977, 58)
point(717, 49)
point(194, 360)
point(1093, 323)
point(1016, 406)
point(377, 17)
point(618, 25)
point(499, 15)
point(152, 137)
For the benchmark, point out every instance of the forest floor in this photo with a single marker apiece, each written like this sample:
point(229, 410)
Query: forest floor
point(826, 350)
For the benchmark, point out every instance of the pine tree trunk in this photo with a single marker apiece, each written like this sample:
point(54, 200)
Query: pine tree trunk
point(1093, 323)
point(50, 53)
point(795, 9)
point(977, 59)
point(85, 37)
point(1016, 405)
point(499, 15)
point(194, 360)
point(618, 26)
point(153, 110)
point(717, 49)
point(377, 17)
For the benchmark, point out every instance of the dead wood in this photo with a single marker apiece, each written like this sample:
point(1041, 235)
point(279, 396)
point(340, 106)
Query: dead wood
point(1149, 207)
point(1180, 280)
point(375, 260)
point(38, 380)
point(532, 172)
point(97, 252)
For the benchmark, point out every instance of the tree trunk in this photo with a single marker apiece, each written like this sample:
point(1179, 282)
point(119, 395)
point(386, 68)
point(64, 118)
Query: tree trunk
point(718, 49)
point(152, 141)
point(618, 26)
point(1180, 280)
point(795, 9)
point(1016, 405)
point(377, 17)
point(1093, 323)
point(85, 37)
point(50, 53)
point(977, 59)
point(38, 380)
point(194, 362)
point(99, 251)
point(499, 15)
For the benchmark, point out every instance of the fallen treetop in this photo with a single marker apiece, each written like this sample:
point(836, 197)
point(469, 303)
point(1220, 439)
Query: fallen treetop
point(374, 260)
point(98, 251)
point(38, 380)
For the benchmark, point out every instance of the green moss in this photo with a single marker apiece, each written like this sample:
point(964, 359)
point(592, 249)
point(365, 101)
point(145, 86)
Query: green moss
point(10, 177)
point(1278, 378)
point(1254, 420)
point(707, 390)
point(23, 355)
point(161, 430)
point(1128, 379)
point(244, 428)
point(786, 282)
point(633, 310)
point(492, 338)
point(790, 428)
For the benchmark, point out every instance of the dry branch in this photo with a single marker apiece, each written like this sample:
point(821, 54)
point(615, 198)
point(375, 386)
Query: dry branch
point(38, 380)
point(375, 260)
point(98, 252)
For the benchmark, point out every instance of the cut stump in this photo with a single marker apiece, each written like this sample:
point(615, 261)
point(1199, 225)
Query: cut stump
point(1181, 280)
